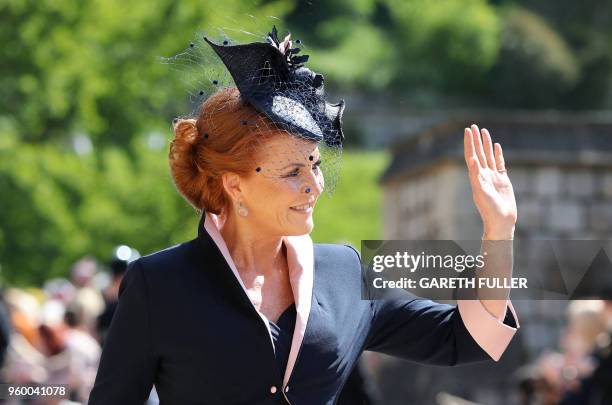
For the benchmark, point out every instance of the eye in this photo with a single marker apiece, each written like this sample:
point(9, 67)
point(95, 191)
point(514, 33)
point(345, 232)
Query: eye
point(294, 173)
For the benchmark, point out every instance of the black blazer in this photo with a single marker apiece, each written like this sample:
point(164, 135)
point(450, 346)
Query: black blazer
point(185, 324)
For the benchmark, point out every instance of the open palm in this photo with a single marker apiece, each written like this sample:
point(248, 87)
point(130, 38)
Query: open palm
point(491, 187)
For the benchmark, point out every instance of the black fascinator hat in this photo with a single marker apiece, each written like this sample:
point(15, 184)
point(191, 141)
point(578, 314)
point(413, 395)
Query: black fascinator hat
point(272, 78)
point(257, 70)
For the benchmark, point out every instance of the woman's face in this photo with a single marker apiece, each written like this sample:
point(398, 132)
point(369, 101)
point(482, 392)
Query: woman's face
point(276, 195)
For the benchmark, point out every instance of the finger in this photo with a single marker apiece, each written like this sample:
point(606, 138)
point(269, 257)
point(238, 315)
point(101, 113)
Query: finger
point(478, 146)
point(499, 158)
point(468, 151)
point(488, 148)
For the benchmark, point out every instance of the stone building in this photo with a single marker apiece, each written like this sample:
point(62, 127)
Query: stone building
point(560, 165)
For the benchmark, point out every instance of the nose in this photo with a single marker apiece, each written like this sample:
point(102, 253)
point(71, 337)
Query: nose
point(313, 185)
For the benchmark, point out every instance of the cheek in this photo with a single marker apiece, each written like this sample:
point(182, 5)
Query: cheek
point(280, 193)
point(290, 186)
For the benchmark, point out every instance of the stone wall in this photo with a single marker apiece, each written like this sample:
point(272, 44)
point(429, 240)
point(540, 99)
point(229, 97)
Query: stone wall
point(563, 191)
point(553, 203)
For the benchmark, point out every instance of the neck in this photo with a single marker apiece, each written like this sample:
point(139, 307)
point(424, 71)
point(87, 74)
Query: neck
point(252, 252)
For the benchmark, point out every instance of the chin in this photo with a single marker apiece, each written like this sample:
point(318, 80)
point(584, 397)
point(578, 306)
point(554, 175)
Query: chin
point(297, 223)
point(302, 228)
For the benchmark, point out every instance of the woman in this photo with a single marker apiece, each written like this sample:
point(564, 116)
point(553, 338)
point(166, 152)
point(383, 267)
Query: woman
point(251, 311)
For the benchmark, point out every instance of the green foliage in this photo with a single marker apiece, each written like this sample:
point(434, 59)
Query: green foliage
point(536, 67)
point(58, 206)
point(444, 44)
point(585, 25)
point(352, 213)
point(406, 46)
point(348, 66)
point(91, 66)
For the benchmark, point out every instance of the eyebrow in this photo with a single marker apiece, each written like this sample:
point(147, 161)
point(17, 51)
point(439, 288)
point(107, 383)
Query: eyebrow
point(300, 164)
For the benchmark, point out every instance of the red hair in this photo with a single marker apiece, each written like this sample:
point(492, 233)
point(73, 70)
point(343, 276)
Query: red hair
point(222, 138)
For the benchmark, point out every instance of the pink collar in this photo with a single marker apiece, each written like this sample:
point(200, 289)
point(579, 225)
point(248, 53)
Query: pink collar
point(300, 259)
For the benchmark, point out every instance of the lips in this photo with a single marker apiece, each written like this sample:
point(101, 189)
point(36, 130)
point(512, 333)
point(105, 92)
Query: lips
point(302, 207)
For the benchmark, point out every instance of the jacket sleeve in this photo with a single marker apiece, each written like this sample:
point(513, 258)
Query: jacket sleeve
point(428, 332)
point(127, 368)
point(424, 331)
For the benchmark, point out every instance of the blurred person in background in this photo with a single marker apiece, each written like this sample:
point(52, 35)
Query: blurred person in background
point(71, 354)
point(45, 349)
point(595, 387)
point(585, 325)
point(122, 256)
point(60, 289)
point(86, 349)
point(52, 329)
point(579, 373)
point(24, 363)
point(90, 300)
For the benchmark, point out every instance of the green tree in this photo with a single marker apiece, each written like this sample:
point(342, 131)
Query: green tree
point(91, 67)
point(536, 68)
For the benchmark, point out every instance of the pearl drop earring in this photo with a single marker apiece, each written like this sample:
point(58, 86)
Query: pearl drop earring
point(242, 210)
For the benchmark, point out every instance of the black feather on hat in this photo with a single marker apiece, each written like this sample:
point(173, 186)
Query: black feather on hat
point(271, 77)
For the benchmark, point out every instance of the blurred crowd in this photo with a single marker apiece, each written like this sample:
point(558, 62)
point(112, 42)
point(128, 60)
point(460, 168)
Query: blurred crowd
point(54, 335)
point(580, 372)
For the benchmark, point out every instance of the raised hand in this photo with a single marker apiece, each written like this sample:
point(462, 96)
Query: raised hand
point(491, 187)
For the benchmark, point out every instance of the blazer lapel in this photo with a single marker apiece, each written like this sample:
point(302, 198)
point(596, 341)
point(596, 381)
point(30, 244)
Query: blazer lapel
point(300, 261)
